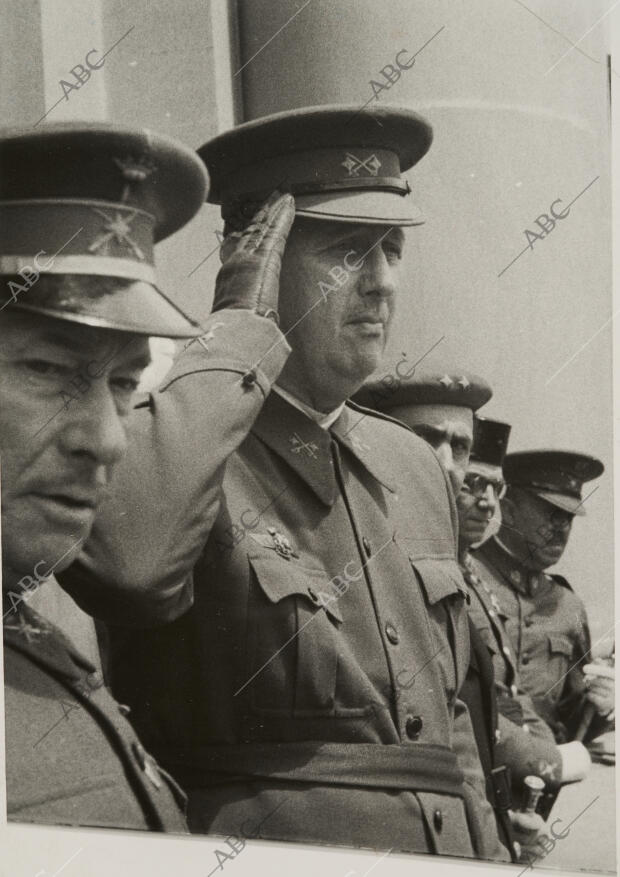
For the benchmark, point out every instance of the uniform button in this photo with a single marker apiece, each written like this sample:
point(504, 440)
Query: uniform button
point(123, 709)
point(438, 820)
point(94, 680)
point(249, 378)
point(506, 651)
point(413, 727)
point(525, 661)
point(367, 546)
point(529, 622)
point(392, 634)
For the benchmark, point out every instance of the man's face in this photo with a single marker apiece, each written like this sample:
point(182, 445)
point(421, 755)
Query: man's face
point(476, 504)
point(452, 439)
point(57, 452)
point(539, 529)
point(338, 336)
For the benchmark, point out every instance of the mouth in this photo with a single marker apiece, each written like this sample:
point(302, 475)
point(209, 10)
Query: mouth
point(368, 323)
point(73, 506)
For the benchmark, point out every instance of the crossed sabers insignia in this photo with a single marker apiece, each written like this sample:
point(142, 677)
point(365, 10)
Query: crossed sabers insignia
point(299, 446)
point(118, 228)
point(354, 164)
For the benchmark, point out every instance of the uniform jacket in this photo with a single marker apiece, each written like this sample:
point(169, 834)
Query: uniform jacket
point(525, 742)
point(549, 634)
point(323, 578)
point(72, 757)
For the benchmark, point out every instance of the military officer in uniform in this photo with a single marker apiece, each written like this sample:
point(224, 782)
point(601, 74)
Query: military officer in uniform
point(80, 208)
point(441, 407)
point(315, 541)
point(545, 620)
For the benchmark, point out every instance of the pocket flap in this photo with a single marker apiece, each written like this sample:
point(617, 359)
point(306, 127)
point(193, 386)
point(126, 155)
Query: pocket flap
point(279, 578)
point(558, 643)
point(440, 578)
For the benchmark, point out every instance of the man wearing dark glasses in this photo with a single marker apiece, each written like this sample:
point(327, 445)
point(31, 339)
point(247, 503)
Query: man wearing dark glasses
point(545, 620)
point(440, 407)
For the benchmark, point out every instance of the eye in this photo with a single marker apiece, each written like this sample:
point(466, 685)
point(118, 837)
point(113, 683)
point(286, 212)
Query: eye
point(46, 368)
point(460, 445)
point(392, 250)
point(125, 385)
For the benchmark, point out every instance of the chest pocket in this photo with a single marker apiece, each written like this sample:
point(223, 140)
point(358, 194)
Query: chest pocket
point(445, 595)
point(293, 621)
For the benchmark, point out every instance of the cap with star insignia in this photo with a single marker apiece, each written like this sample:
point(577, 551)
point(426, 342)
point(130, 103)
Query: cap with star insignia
point(556, 476)
point(340, 163)
point(90, 200)
point(455, 393)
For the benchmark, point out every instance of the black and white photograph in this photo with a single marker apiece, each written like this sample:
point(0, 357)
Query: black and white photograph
point(307, 325)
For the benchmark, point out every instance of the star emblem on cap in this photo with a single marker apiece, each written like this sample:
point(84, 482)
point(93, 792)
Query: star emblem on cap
point(117, 228)
point(446, 381)
point(354, 165)
point(464, 383)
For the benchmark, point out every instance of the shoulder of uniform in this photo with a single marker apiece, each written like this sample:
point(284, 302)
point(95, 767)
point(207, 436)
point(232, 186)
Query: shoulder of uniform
point(403, 432)
point(377, 415)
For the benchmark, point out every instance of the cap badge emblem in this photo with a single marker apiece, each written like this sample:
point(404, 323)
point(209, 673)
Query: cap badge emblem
point(354, 165)
point(117, 228)
point(446, 381)
point(134, 170)
point(464, 383)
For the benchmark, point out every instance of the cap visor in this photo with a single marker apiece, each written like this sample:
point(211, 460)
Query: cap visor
point(140, 308)
point(567, 503)
point(369, 208)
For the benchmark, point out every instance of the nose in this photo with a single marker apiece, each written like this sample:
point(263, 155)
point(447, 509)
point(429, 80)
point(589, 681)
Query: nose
point(92, 426)
point(488, 500)
point(376, 275)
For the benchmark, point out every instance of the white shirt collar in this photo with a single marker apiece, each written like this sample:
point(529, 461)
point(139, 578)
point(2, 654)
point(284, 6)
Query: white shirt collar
point(323, 420)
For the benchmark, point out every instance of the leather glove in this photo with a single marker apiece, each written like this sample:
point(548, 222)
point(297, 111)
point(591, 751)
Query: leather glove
point(250, 275)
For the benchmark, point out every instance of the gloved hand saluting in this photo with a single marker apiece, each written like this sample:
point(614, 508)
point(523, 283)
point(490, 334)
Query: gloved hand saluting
point(250, 274)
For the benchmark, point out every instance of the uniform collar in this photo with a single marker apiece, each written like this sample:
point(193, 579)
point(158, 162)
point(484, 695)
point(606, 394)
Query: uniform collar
point(29, 633)
point(323, 420)
point(306, 447)
point(518, 576)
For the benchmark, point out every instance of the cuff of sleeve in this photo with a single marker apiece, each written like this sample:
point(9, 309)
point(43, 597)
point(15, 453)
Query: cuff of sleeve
point(238, 341)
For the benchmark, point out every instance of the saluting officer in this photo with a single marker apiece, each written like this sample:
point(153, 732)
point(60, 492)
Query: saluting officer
point(80, 208)
point(321, 560)
point(545, 620)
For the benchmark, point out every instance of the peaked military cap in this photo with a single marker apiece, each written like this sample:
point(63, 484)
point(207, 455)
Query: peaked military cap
point(340, 163)
point(556, 476)
point(458, 393)
point(91, 200)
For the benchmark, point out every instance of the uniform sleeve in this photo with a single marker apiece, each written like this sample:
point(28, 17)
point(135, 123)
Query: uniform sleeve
point(482, 817)
point(573, 701)
point(136, 568)
point(526, 752)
